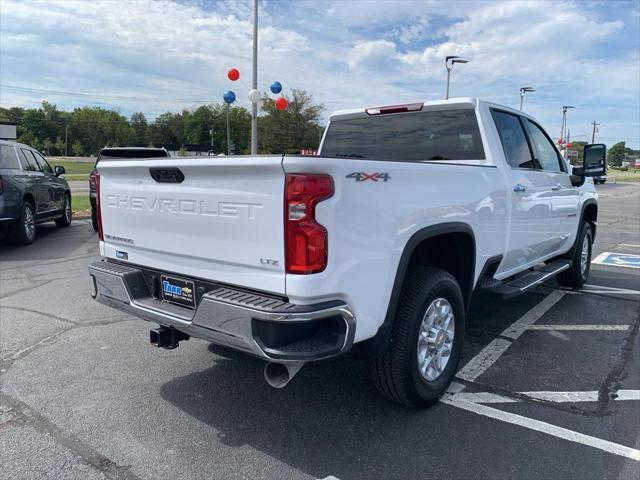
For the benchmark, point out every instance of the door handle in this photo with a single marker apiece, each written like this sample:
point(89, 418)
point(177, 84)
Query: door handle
point(519, 188)
point(556, 188)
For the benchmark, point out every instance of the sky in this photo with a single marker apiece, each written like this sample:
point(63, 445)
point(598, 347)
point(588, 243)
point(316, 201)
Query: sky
point(157, 56)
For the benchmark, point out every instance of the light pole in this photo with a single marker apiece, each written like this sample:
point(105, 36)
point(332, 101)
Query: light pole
point(564, 124)
point(524, 90)
point(254, 82)
point(448, 63)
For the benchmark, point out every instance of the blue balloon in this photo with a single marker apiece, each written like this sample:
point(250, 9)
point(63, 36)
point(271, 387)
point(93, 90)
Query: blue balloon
point(276, 87)
point(229, 96)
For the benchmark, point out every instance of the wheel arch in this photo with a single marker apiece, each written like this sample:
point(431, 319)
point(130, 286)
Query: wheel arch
point(457, 255)
point(29, 197)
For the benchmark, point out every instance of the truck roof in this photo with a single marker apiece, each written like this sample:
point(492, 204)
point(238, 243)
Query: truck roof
point(461, 102)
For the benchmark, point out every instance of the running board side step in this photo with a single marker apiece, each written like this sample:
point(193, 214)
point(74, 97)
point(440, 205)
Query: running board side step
point(521, 284)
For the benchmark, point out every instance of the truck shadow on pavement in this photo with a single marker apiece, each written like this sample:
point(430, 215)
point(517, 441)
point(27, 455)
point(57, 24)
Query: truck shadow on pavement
point(330, 420)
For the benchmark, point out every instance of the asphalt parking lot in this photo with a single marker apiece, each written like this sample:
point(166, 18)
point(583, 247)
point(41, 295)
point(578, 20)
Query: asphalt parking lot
point(549, 386)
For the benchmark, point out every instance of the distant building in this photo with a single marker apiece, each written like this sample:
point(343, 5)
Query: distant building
point(7, 131)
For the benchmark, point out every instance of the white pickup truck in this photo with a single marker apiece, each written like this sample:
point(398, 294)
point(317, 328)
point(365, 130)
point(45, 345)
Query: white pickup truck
point(374, 246)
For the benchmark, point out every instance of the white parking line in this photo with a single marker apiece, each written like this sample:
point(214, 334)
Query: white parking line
point(628, 245)
point(473, 402)
point(533, 315)
point(555, 397)
point(587, 288)
point(579, 327)
point(492, 352)
point(544, 427)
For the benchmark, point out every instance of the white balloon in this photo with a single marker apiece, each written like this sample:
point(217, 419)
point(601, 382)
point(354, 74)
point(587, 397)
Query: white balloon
point(254, 95)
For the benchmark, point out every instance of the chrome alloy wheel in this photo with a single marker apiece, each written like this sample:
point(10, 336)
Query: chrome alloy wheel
point(435, 339)
point(584, 256)
point(29, 223)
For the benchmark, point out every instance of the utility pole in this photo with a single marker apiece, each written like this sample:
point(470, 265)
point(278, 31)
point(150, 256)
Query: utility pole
point(66, 137)
point(254, 84)
point(593, 133)
point(211, 133)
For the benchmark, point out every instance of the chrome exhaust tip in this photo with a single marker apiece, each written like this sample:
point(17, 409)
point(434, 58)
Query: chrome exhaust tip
point(278, 375)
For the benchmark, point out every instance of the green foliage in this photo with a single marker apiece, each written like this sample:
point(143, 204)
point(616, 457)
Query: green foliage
point(182, 152)
point(615, 156)
point(290, 130)
point(90, 129)
point(77, 148)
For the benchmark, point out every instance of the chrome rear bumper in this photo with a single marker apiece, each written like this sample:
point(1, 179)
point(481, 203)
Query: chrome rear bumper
point(257, 324)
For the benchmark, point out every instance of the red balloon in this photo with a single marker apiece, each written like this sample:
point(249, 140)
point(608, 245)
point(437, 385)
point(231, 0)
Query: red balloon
point(281, 103)
point(233, 74)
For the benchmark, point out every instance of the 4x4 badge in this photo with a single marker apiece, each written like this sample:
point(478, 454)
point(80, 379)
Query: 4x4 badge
point(374, 177)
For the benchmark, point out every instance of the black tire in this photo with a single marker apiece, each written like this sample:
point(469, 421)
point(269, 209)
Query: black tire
point(577, 275)
point(94, 219)
point(24, 232)
point(65, 219)
point(396, 374)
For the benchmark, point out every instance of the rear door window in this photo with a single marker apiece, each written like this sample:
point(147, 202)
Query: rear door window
point(514, 141)
point(29, 160)
point(8, 157)
point(44, 166)
point(407, 137)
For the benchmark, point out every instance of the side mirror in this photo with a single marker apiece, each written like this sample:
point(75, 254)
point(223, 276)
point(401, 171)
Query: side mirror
point(577, 176)
point(59, 170)
point(595, 160)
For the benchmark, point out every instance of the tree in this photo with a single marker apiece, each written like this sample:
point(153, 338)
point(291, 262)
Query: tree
point(578, 147)
point(140, 127)
point(59, 146)
point(290, 130)
point(76, 148)
point(46, 145)
point(616, 154)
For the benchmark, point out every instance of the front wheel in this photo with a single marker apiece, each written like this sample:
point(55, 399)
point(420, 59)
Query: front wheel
point(576, 275)
point(426, 339)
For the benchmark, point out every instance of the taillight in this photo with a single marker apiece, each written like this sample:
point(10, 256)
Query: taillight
point(96, 179)
point(305, 239)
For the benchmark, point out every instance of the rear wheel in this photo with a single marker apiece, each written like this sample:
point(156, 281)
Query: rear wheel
point(24, 232)
point(576, 276)
point(426, 340)
point(65, 219)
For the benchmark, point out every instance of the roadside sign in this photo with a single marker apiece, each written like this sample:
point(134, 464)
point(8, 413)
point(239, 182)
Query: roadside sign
point(618, 260)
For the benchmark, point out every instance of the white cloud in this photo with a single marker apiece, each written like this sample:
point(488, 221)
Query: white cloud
point(346, 53)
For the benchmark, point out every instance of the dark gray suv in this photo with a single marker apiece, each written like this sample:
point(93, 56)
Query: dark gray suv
point(31, 192)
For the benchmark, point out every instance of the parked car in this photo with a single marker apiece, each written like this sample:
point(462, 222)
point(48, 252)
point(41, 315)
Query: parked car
point(376, 245)
point(114, 154)
point(31, 192)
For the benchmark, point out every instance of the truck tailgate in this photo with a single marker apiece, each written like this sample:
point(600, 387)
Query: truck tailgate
point(222, 222)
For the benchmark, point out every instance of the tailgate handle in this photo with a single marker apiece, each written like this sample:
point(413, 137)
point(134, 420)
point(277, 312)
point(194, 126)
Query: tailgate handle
point(166, 175)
